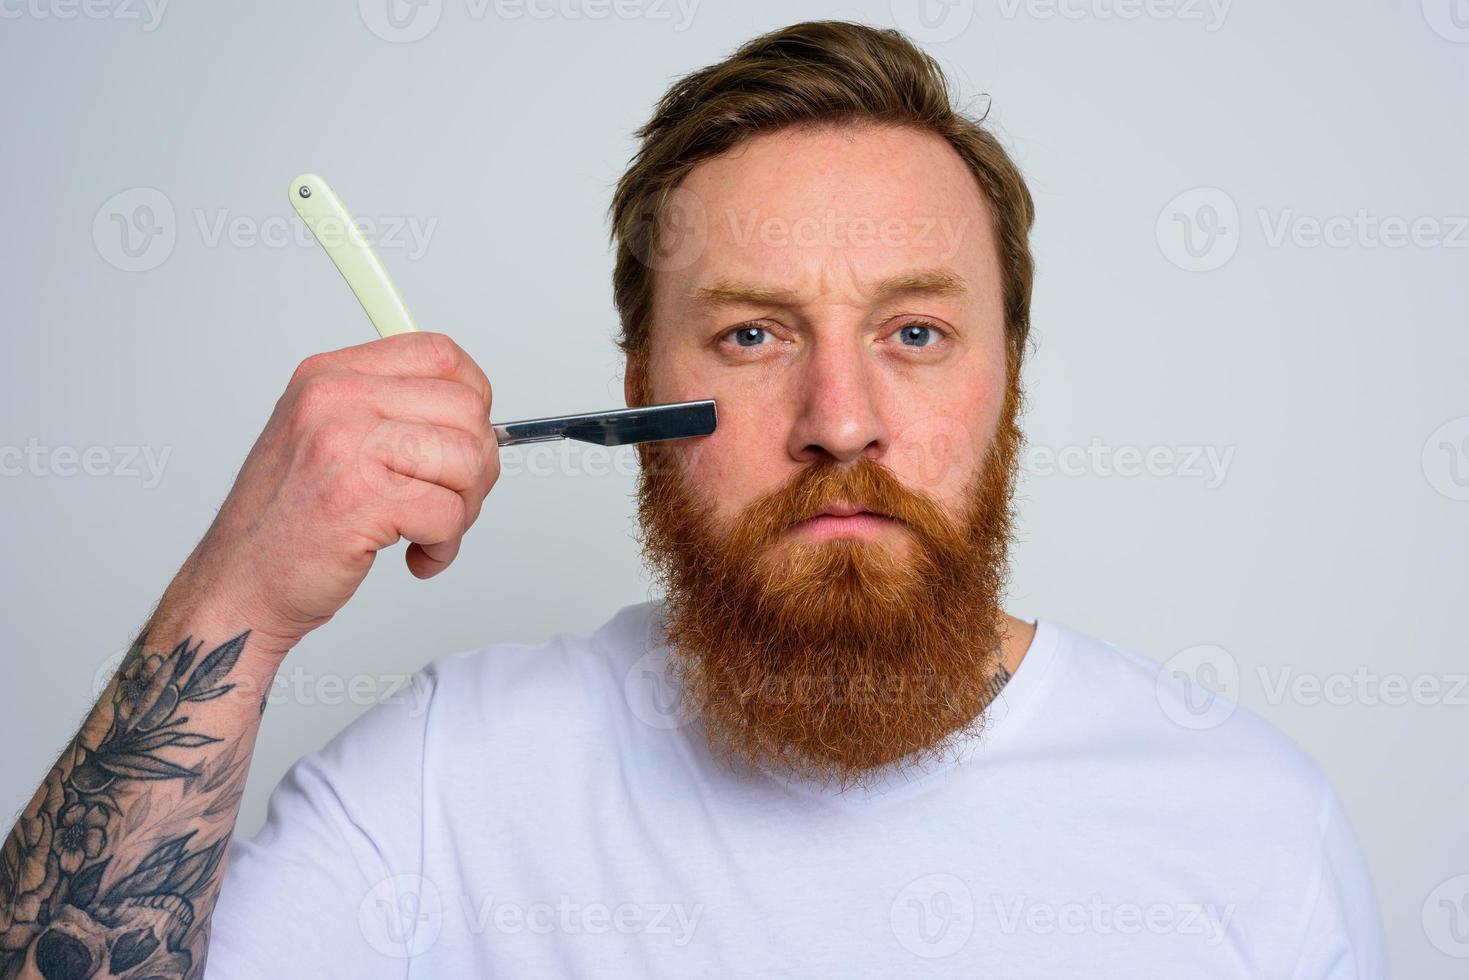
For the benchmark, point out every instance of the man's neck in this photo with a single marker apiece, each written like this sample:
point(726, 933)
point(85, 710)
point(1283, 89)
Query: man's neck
point(1015, 638)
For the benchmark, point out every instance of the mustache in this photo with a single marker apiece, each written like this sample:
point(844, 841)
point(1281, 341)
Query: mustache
point(865, 484)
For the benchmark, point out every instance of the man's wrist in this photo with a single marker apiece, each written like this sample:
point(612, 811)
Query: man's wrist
point(212, 620)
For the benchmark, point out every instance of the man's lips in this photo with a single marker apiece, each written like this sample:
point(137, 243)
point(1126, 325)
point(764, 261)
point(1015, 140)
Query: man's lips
point(844, 520)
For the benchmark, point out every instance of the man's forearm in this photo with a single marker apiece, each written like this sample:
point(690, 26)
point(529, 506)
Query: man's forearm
point(116, 861)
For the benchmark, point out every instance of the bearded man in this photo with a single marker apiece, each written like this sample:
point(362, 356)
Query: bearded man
point(825, 750)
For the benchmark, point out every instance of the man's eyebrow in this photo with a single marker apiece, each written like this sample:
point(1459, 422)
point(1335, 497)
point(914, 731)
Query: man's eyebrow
point(726, 292)
point(933, 282)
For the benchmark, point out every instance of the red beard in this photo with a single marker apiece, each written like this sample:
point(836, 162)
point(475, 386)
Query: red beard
point(830, 659)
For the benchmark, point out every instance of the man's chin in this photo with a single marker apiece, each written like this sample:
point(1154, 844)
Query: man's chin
point(844, 592)
point(798, 551)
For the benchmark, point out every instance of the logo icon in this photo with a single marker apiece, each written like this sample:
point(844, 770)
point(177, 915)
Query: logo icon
point(932, 21)
point(1446, 459)
point(677, 241)
point(933, 916)
point(1198, 687)
point(653, 693)
point(1199, 230)
point(1446, 917)
point(107, 670)
point(401, 916)
point(135, 230)
point(938, 453)
point(1448, 18)
point(401, 21)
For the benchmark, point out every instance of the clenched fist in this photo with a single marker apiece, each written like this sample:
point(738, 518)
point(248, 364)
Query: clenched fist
point(367, 445)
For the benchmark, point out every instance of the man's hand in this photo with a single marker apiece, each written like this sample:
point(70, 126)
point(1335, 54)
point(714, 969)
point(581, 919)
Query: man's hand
point(369, 444)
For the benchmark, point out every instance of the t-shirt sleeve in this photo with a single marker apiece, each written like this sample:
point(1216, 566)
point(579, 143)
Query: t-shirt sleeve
point(1343, 939)
point(326, 888)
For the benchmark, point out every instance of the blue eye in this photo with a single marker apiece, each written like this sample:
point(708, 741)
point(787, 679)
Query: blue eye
point(918, 334)
point(748, 335)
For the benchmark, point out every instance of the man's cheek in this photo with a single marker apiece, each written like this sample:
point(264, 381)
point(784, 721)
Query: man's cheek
point(937, 455)
point(703, 465)
point(731, 466)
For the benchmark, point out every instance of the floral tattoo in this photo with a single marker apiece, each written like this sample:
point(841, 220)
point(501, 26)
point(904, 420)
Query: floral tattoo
point(89, 887)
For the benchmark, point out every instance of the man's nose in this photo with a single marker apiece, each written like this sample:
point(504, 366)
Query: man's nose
point(838, 412)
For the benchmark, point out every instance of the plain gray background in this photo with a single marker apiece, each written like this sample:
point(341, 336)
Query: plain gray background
point(1249, 421)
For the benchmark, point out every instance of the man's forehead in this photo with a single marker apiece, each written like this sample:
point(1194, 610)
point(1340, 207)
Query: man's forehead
point(859, 173)
point(852, 215)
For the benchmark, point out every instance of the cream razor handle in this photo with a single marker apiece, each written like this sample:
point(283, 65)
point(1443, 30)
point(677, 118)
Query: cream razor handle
point(321, 209)
point(323, 212)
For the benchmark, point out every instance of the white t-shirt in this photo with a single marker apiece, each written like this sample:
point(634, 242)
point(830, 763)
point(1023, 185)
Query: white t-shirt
point(545, 811)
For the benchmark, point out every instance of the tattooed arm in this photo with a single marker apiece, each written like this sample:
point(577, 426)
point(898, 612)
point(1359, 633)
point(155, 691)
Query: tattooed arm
point(114, 866)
